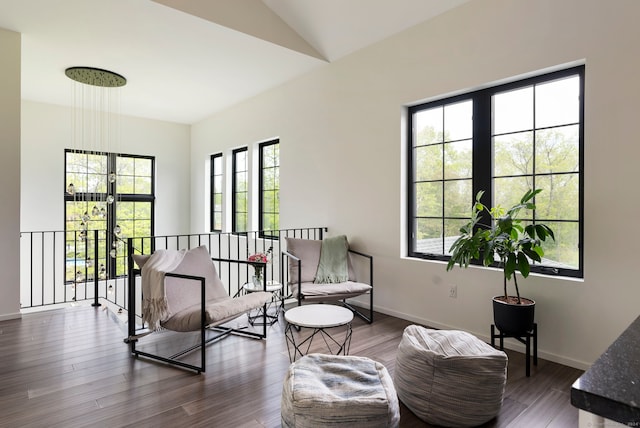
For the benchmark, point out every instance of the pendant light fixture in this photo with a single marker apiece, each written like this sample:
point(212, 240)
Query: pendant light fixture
point(95, 114)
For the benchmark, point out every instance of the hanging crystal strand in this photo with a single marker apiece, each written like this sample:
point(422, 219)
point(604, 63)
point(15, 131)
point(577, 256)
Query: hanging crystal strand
point(96, 146)
point(114, 123)
point(83, 233)
point(84, 226)
point(114, 252)
point(102, 273)
point(83, 187)
point(71, 190)
point(93, 124)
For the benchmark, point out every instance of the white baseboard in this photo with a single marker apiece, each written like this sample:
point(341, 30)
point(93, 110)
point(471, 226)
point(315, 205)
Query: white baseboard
point(7, 317)
point(511, 344)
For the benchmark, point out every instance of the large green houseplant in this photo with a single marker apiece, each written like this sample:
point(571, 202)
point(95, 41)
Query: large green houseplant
point(514, 245)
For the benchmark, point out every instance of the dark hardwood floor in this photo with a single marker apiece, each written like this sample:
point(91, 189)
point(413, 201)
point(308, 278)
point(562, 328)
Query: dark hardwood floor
point(71, 368)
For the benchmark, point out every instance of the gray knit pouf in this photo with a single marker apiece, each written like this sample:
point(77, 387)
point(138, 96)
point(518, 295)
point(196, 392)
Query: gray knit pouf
point(449, 378)
point(335, 390)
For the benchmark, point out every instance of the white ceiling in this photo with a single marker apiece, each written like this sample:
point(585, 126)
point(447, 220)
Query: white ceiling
point(183, 65)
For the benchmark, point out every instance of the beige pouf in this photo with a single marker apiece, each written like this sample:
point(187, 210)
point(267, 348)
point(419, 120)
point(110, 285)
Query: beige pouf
point(334, 390)
point(449, 378)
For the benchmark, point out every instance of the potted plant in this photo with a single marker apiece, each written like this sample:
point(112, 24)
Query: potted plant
point(514, 245)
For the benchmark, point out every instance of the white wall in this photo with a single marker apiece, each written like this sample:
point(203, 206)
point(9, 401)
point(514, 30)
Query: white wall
point(46, 132)
point(341, 143)
point(9, 173)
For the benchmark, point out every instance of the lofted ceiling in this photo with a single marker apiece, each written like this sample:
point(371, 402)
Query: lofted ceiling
point(187, 59)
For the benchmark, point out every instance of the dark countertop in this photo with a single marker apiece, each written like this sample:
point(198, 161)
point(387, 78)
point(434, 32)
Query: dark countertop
point(611, 387)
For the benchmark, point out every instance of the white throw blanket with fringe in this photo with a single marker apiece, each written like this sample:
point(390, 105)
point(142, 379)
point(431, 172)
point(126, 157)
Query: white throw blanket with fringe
point(154, 303)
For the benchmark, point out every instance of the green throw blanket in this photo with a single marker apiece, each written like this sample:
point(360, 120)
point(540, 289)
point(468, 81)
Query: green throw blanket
point(332, 267)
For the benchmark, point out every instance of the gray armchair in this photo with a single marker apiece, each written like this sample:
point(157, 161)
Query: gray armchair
point(191, 298)
point(301, 260)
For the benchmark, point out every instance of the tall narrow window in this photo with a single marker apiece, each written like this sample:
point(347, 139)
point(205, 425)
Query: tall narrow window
point(269, 202)
point(216, 192)
point(240, 191)
point(503, 140)
point(112, 194)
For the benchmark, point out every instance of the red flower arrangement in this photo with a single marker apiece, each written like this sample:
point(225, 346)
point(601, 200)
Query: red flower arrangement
point(257, 260)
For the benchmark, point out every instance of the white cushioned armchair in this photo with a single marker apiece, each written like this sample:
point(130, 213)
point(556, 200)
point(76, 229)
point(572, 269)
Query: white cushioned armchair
point(301, 259)
point(191, 298)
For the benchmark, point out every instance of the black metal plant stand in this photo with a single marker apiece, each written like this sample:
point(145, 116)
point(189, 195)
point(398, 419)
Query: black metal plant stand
point(522, 338)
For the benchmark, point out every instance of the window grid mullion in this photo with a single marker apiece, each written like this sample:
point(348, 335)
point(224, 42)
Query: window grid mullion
point(443, 172)
point(533, 155)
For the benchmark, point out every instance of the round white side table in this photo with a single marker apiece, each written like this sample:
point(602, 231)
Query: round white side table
point(277, 302)
point(319, 318)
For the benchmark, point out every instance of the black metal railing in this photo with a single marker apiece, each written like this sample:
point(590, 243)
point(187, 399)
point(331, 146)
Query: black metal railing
point(60, 267)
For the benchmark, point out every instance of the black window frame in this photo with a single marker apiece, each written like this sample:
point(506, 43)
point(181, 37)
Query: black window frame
point(482, 159)
point(261, 190)
point(111, 209)
point(213, 193)
point(235, 191)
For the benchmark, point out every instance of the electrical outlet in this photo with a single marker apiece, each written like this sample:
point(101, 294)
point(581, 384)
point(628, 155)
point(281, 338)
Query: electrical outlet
point(453, 291)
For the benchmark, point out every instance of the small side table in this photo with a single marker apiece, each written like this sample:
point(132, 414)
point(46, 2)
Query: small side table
point(318, 317)
point(524, 339)
point(277, 302)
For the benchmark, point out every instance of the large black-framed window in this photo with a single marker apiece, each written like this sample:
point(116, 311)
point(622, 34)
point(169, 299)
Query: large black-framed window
point(504, 139)
point(239, 190)
point(216, 192)
point(269, 187)
point(112, 194)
